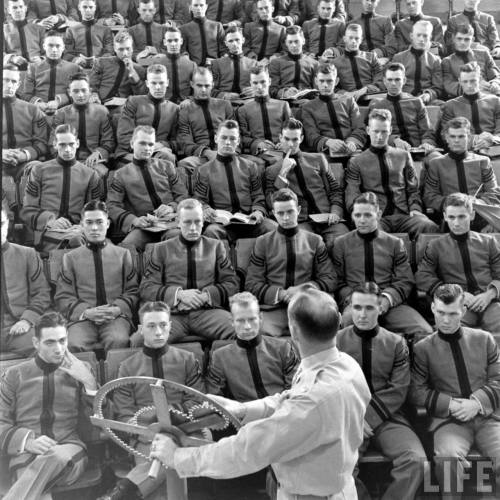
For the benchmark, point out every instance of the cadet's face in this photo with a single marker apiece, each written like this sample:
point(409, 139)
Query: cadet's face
point(52, 344)
point(157, 84)
point(247, 320)
point(79, 91)
point(471, 4)
point(286, 213)
point(4, 227)
point(87, 9)
point(294, 43)
point(260, 84)
point(146, 11)
point(155, 328)
point(394, 81)
point(352, 40)
point(227, 140)
point(95, 225)
point(463, 42)
point(198, 8)
point(379, 132)
point(369, 5)
point(54, 47)
point(264, 10)
point(234, 43)
point(123, 50)
point(365, 217)
point(325, 83)
point(448, 316)
point(191, 223)
point(457, 139)
point(291, 140)
point(173, 42)
point(10, 81)
point(202, 86)
point(421, 37)
point(470, 82)
point(66, 145)
point(325, 10)
point(458, 219)
point(17, 10)
point(365, 310)
point(143, 145)
point(414, 7)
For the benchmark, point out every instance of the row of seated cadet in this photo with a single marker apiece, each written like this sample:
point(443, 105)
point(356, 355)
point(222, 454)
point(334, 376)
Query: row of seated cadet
point(256, 366)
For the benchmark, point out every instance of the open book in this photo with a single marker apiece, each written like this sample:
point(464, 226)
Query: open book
point(225, 218)
point(303, 94)
point(115, 101)
point(321, 218)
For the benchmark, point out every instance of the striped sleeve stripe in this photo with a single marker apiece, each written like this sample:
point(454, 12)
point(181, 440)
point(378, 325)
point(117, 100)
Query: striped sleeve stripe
point(492, 395)
point(381, 405)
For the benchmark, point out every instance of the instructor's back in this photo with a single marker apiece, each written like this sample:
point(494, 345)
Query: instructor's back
point(310, 434)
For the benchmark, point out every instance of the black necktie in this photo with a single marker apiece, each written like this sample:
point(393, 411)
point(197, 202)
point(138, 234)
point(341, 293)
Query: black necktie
point(322, 37)
point(236, 74)
point(263, 45)
point(417, 86)
point(22, 39)
point(355, 70)
point(368, 34)
point(9, 125)
point(52, 79)
point(384, 175)
point(88, 39)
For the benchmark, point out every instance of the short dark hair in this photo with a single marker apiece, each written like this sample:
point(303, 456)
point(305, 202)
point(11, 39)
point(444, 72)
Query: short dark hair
point(293, 30)
point(157, 306)
point(189, 204)
point(284, 194)
point(470, 67)
point(457, 122)
point(326, 69)
point(395, 66)
point(10, 66)
point(78, 77)
point(233, 29)
point(464, 29)
point(65, 128)
point(257, 69)
point(384, 115)
point(231, 124)
point(367, 288)
point(156, 69)
point(50, 319)
point(243, 299)
point(458, 200)
point(449, 293)
point(173, 29)
point(53, 33)
point(369, 198)
point(293, 124)
point(95, 205)
point(315, 313)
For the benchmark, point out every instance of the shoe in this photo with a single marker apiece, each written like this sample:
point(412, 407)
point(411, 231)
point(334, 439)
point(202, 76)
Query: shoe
point(118, 493)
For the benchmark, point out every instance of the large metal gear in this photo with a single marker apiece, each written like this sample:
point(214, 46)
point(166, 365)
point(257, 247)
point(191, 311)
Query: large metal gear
point(188, 428)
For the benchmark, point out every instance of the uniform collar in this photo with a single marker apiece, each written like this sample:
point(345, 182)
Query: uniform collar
point(94, 246)
point(89, 23)
point(460, 237)
point(326, 98)
point(394, 98)
point(187, 242)
point(263, 98)
point(289, 232)
point(294, 57)
point(352, 53)
point(451, 337)
point(366, 334)
point(65, 163)
point(416, 18)
point(225, 159)
point(323, 22)
point(417, 52)
point(20, 24)
point(46, 367)
point(155, 353)
point(140, 163)
point(378, 151)
point(249, 344)
point(199, 20)
point(470, 13)
point(457, 156)
point(368, 236)
point(472, 97)
point(155, 100)
point(202, 102)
